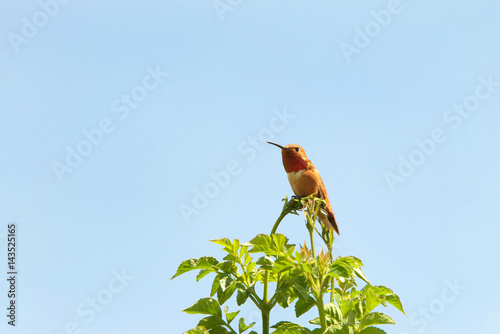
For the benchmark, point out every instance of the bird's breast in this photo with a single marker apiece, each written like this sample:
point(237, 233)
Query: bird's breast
point(304, 182)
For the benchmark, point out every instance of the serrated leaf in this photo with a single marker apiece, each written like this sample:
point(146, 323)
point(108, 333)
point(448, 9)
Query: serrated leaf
point(205, 306)
point(225, 242)
point(246, 258)
point(227, 267)
point(285, 327)
point(357, 260)
point(205, 262)
point(203, 273)
point(280, 241)
point(262, 243)
point(376, 318)
point(339, 270)
point(198, 330)
point(250, 266)
point(243, 327)
point(285, 299)
point(215, 285)
point(242, 295)
point(372, 300)
point(231, 257)
point(282, 264)
point(338, 329)
point(360, 274)
point(303, 305)
point(302, 288)
point(334, 312)
point(333, 329)
point(395, 301)
point(226, 281)
point(372, 330)
point(219, 330)
point(224, 294)
point(382, 290)
point(211, 322)
point(230, 315)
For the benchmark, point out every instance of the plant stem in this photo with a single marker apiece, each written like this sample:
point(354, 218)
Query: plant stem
point(265, 311)
point(286, 210)
point(265, 299)
point(321, 309)
point(332, 294)
point(264, 307)
point(311, 235)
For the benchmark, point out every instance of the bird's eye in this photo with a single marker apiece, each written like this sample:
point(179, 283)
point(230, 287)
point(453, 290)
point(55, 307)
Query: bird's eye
point(296, 149)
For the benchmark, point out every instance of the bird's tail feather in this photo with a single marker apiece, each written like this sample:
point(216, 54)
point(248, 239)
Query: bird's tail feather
point(333, 222)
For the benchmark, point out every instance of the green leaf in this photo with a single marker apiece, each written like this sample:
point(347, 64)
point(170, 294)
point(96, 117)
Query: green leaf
point(246, 258)
point(356, 260)
point(285, 327)
point(372, 300)
point(351, 317)
point(334, 312)
point(280, 241)
point(226, 290)
point(215, 285)
point(303, 305)
point(262, 243)
point(372, 330)
point(382, 290)
point(203, 273)
point(266, 262)
point(376, 318)
point(228, 267)
point(395, 301)
point(231, 258)
point(385, 294)
point(220, 330)
point(360, 274)
point(198, 330)
point(242, 295)
point(282, 264)
point(339, 270)
point(243, 327)
point(226, 243)
point(301, 288)
point(205, 306)
point(333, 329)
point(339, 329)
point(205, 262)
point(211, 322)
point(230, 315)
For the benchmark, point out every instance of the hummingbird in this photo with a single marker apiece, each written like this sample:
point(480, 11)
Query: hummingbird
point(305, 180)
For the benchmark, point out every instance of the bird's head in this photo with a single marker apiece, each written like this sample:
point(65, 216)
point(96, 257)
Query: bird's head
point(294, 157)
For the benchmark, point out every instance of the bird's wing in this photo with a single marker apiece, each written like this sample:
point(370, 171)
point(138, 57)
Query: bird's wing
point(329, 213)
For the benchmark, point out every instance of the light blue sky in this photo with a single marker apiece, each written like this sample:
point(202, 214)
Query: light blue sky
point(357, 115)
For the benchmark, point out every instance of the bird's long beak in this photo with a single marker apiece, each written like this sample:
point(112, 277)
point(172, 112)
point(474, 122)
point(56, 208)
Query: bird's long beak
point(276, 145)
